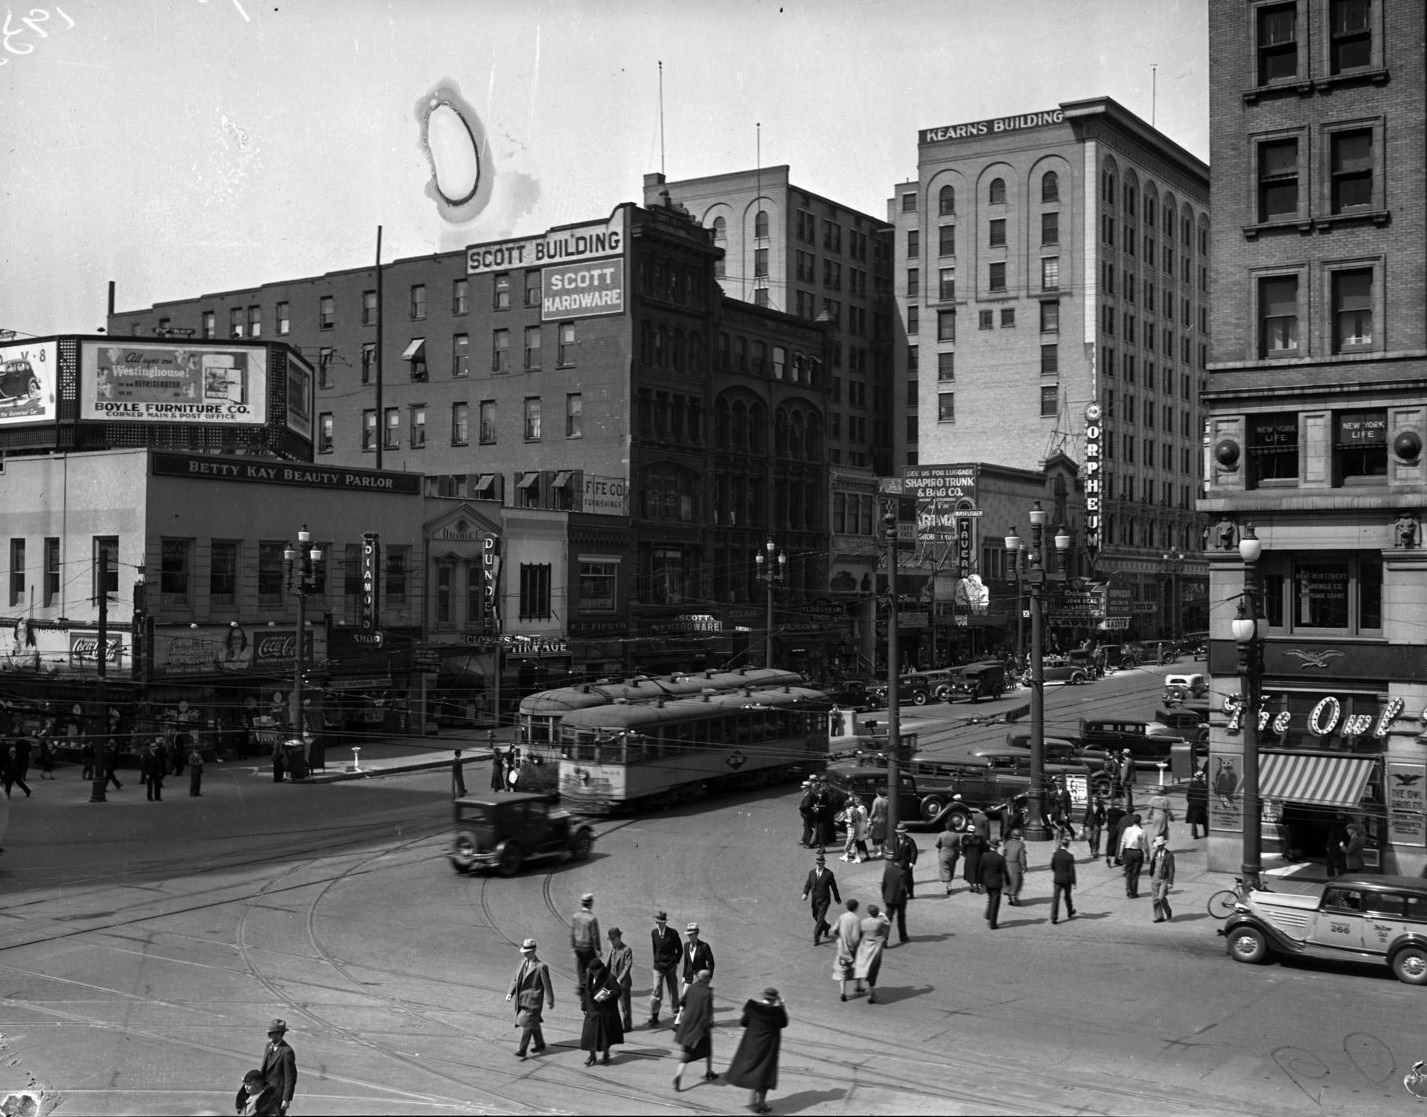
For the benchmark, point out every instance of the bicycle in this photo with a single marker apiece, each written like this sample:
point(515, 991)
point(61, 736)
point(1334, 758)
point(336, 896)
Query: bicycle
point(1222, 903)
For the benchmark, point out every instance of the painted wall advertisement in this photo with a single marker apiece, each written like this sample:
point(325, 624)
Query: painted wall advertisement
point(157, 383)
point(27, 382)
point(1407, 803)
point(220, 649)
point(299, 397)
point(605, 496)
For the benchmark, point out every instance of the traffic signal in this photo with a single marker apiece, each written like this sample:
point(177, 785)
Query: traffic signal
point(889, 526)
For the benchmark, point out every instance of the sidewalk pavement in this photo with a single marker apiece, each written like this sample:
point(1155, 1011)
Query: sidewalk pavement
point(410, 753)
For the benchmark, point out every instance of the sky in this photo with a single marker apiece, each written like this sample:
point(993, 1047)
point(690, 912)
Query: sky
point(180, 147)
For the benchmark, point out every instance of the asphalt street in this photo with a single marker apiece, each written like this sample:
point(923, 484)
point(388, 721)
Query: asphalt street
point(144, 947)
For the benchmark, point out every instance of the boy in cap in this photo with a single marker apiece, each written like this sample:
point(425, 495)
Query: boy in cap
point(279, 1069)
point(530, 989)
point(665, 950)
point(821, 885)
point(256, 1097)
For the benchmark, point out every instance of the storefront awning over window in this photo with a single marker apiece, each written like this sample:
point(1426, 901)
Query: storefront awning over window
point(1329, 781)
point(561, 479)
point(415, 351)
point(486, 484)
point(527, 480)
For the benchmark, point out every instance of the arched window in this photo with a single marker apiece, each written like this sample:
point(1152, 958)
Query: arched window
point(679, 350)
point(997, 194)
point(1050, 187)
point(946, 201)
point(760, 224)
point(795, 438)
point(739, 439)
point(720, 229)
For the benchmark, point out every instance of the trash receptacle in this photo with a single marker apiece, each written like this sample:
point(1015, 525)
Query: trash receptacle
point(317, 753)
point(1181, 761)
point(294, 760)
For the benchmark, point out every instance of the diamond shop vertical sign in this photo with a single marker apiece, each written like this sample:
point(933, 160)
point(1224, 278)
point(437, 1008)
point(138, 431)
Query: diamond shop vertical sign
point(371, 581)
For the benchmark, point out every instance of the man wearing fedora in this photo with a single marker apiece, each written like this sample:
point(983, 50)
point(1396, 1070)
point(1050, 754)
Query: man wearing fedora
point(698, 955)
point(279, 1067)
point(905, 849)
point(821, 885)
point(532, 992)
point(666, 950)
point(585, 941)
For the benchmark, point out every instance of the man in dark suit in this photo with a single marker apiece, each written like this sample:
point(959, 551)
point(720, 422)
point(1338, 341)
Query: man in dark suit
point(698, 955)
point(905, 849)
point(1062, 876)
point(151, 769)
point(821, 885)
point(993, 880)
point(280, 1064)
point(532, 992)
point(458, 775)
point(666, 950)
point(896, 891)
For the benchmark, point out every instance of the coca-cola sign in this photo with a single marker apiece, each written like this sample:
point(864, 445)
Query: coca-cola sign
point(84, 649)
point(275, 645)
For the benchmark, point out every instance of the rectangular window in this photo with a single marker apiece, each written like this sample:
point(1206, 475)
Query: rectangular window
point(1277, 42)
point(1050, 318)
point(17, 572)
point(914, 282)
point(500, 291)
point(1352, 310)
point(223, 572)
point(418, 425)
point(1050, 360)
point(996, 232)
point(599, 586)
point(326, 312)
point(914, 244)
point(565, 353)
point(271, 572)
point(945, 367)
point(946, 284)
point(235, 322)
point(369, 308)
point(500, 350)
point(175, 561)
point(1050, 227)
point(392, 439)
point(946, 240)
point(574, 415)
point(1360, 446)
point(532, 287)
point(398, 566)
point(52, 571)
point(324, 433)
point(946, 325)
point(1050, 400)
point(760, 263)
point(369, 361)
point(460, 296)
point(1050, 273)
point(487, 420)
point(369, 430)
point(324, 366)
point(1278, 316)
point(532, 419)
point(946, 407)
point(1350, 35)
point(418, 300)
point(255, 321)
point(460, 355)
point(1341, 593)
point(460, 424)
point(1008, 317)
point(1273, 448)
point(532, 348)
point(534, 591)
point(996, 279)
point(210, 324)
point(985, 319)
point(284, 319)
point(1351, 170)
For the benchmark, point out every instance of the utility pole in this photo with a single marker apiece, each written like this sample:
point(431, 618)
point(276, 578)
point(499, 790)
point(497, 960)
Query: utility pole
point(101, 652)
point(894, 670)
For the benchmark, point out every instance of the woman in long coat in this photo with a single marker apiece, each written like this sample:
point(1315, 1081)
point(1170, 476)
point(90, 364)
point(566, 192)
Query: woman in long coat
point(693, 1028)
point(755, 1063)
point(972, 843)
point(602, 1022)
point(875, 929)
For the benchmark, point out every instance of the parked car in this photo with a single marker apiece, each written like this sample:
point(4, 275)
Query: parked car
point(974, 682)
point(1191, 722)
point(911, 691)
point(1061, 669)
point(1149, 742)
point(503, 831)
point(1376, 919)
point(929, 785)
point(853, 694)
point(1193, 685)
point(1060, 750)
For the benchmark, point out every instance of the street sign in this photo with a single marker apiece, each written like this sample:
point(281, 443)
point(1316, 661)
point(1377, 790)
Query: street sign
point(969, 513)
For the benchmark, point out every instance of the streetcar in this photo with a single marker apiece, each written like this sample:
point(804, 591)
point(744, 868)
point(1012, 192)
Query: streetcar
point(659, 754)
point(540, 714)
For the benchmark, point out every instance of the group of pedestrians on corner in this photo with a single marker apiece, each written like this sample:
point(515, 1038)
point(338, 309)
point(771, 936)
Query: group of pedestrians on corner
point(267, 1090)
point(605, 987)
point(156, 762)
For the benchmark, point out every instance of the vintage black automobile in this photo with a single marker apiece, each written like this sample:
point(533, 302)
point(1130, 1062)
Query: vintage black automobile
point(504, 830)
point(1376, 919)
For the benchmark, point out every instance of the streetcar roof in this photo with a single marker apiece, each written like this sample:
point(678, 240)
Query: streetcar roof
point(649, 688)
point(629, 716)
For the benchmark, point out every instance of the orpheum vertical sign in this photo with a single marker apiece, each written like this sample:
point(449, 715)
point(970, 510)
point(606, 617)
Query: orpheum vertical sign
point(1094, 477)
point(371, 581)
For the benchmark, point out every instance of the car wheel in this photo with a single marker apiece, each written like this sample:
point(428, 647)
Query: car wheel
point(975, 694)
point(463, 852)
point(1247, 944)
point(932, 806)
point(583, 843)
point(1410, 965)
point(960, 821)
point(1102, 786)
point(1077, 677)
point(510, 859)
point(920, 698)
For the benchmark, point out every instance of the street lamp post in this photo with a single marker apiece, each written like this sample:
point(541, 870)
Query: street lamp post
point(1249, 637)
point(894, 670)
point(1174, 563)
point(1020, 605)
point(301, 565)
point(1036, 577)
point(772, 571)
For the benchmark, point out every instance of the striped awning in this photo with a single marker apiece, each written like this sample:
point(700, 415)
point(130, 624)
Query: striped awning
point(1330, 781)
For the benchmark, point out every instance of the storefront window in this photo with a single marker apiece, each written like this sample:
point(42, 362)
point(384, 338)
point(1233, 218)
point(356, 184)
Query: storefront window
point(1360, 447)
point(1337, 593)
point(598, 582)
point(1273, 448)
